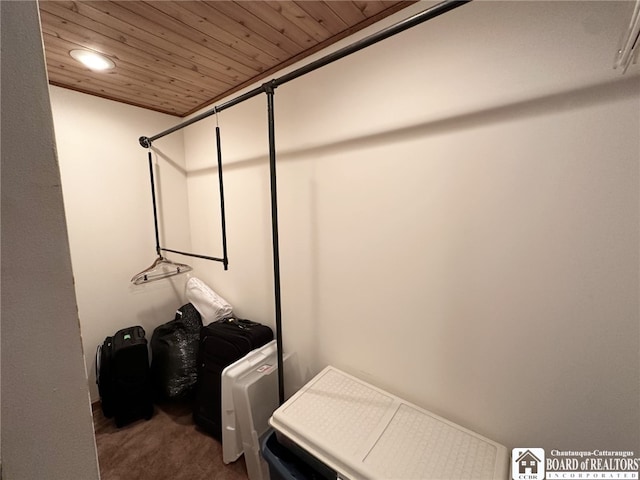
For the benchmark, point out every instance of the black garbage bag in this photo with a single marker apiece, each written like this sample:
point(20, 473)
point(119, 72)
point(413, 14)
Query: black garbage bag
point(174, 352)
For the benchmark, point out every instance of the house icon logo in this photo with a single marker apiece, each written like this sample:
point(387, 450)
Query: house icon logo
point(527, 464)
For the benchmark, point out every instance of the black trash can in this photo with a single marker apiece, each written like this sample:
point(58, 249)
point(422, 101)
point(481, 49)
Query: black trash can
point(284, 464)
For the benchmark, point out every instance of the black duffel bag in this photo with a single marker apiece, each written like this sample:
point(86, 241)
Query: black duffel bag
point(174, 350)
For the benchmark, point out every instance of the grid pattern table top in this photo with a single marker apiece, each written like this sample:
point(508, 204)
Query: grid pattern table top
point(417, 445)
point(362, 431)
point(339, 411)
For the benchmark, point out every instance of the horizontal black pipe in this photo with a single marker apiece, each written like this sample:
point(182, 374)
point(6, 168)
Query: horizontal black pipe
point(147, 141)
point(401, 26)
point(215, 259)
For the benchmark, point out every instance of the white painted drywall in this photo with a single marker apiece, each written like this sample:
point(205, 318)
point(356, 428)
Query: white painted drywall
point(107, 195)
point(47, 429)
point(458, 219)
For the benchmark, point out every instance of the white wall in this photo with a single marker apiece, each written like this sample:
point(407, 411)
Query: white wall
point(47, 430)
point(458, 212)
point(107, 196)
point(458, 219)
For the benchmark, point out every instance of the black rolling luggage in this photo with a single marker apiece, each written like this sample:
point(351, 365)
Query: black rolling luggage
point(222, 343)
point(124, 380)
point(103, 376)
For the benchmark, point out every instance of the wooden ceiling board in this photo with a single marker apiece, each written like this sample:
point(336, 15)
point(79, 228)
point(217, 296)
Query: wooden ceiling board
point(274, 17)
point(167, 58)
point(229, 12)
point(176, 37)
point(324, 16)
point(177, 57)
point(202, 17)
point(132, 91)
point(299, 17)
point(128, 51)
point(348, 12)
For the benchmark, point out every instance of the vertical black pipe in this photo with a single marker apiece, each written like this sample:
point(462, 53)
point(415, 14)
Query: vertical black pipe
point(155, 211)
point(225, 259)
point(269, 89)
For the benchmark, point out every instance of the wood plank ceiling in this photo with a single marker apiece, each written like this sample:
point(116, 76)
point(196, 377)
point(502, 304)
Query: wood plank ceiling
point(177, 57)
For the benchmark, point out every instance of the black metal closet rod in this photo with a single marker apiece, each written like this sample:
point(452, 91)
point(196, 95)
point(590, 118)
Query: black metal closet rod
point(401, 26)
point(196, 255)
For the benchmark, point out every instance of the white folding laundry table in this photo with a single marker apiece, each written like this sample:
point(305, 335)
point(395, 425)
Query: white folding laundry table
point(363, 432)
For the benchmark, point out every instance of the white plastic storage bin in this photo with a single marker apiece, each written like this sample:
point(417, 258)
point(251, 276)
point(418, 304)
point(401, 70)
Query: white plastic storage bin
point(363, 432)
point(249, 397)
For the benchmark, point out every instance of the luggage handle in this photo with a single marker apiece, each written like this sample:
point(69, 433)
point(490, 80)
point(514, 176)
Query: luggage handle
point(239, 322)
point(131, 334)
point(98, 358)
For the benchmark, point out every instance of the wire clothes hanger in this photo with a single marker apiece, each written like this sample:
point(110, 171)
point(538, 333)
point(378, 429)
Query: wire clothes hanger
point(162, 267)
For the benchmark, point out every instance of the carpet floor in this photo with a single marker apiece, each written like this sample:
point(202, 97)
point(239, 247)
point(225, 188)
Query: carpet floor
point(167, 447)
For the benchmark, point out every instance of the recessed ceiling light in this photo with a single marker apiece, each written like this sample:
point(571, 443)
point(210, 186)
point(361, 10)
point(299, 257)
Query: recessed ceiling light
point(92, 60)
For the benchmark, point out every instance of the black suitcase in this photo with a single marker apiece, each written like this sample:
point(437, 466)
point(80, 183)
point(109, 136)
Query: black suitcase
point(123, 376)
point(222, 343)
point(103, 376)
